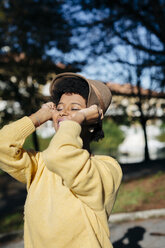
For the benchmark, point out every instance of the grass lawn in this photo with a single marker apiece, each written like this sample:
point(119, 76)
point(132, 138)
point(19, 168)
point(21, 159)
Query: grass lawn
point(141, 194)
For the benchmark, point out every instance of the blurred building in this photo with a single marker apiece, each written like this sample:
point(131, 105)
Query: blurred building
point(125, 101)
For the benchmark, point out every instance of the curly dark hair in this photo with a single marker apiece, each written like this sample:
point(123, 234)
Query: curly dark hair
point(70, 85)
point(76, 86)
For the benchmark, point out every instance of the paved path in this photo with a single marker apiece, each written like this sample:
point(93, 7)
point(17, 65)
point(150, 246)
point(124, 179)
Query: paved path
point(135, 234)
point(139, 234)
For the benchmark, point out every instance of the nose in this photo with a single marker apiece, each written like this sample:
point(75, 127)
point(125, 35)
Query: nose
point(64, 112)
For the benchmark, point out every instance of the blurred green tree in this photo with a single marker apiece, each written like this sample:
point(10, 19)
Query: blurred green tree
point(29, 29)
point(113, 137)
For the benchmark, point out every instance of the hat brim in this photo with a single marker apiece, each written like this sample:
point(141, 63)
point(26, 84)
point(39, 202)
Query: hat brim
point(99, 93)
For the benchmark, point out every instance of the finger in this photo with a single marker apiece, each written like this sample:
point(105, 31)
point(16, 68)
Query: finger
point(43, 105)
point(50, 105)
point(100, 114)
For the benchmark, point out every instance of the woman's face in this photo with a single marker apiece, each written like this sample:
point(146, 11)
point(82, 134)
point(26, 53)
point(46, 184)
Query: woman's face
point(68, 105)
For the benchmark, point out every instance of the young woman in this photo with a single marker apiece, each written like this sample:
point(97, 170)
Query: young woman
point(71, 192)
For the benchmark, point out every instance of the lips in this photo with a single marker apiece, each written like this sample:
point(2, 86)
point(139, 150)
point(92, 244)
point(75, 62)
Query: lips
point(60, 120)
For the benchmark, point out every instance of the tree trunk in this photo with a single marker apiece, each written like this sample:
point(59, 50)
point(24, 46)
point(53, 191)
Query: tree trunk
point(146, 151)
point(35, 141)
point(143, 119)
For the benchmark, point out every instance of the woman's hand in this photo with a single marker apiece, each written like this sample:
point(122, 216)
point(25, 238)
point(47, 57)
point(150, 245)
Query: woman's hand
point(88, 116)
point(43, 114)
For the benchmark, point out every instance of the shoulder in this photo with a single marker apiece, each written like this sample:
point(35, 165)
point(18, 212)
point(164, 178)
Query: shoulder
point(109, 161)
point(109, 166)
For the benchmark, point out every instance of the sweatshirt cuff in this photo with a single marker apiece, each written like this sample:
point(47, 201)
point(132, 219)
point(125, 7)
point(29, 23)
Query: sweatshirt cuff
point(24, 126)
point(70, 126)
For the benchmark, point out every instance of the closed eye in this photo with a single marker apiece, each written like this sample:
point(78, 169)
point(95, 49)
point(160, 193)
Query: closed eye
point(75, 109)
point(59, 109)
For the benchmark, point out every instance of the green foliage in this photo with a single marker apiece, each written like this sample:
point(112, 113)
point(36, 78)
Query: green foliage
point(161, 137)
point(163, 126)
point(43, 143)
point(28, 145)
point(114, 136)
point(11, 222)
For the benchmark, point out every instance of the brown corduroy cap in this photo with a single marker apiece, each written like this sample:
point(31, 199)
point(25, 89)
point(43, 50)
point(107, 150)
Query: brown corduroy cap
point(99, 93)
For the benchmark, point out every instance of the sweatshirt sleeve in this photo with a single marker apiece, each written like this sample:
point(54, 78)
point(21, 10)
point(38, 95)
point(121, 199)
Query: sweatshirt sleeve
point(91, 179)
point(14, 160)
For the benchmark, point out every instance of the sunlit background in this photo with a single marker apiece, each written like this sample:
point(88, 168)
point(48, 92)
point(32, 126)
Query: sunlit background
point(121, 43)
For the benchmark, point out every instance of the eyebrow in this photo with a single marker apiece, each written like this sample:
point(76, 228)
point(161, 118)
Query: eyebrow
point(71, 103)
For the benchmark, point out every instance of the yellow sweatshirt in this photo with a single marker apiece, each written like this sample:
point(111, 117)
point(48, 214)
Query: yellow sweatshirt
point(70, 193)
